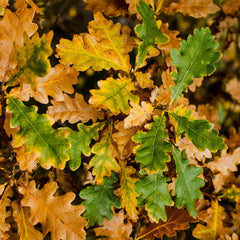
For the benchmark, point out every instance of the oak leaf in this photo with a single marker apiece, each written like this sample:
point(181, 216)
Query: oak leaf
point(73, 110)
point(232, 193)
point(153, 190)
point(114, 94)
point(123, 139)
point(148, 32)
point(214, 224)
point(3, 3)
point(234, 138)
point(107, 46)
point(233, 88)
point(144, 80)
point(230, 7)
point(152, 149)
point(56, 214)
point(115, 229)
point(80, 141)
point(177, 220)
point(128, 196)
point(26, 230)
point(59, 79)
point(13, 27)
point(104, 160)
point(188, 184)
point(32, 59)
point(194, 8)
point(98, 201)
point(138, 115)
point(5, 202)
point(111, 8)
point(37, 134)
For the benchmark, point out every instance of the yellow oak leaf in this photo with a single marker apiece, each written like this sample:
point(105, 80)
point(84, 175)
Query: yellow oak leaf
point(5, 202)
point(115, 229)
point(114, 94)
point(107, 46)
point(123, 139)
point(144, 80)
point(26, 230)
point(194, 8)
point(138, 115)
point(104, 160)
point(214, 224)
point(73, 109)
point(111, 8)
point(56, 214)
point(59, 79)
point(127, 194)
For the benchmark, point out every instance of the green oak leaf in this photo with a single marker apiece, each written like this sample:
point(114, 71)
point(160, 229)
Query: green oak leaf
point(148, 32)
point(187, 185)
point(195, 58)
point(37, 134)
point(152, 152)
point(80, 142)
point(154, 193)
point(99, 199)
point(200, 132)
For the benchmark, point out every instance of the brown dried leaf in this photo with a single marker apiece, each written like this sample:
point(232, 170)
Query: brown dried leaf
point(234, 138)
point(123, 139)
point(231, 7)
point(115, 229)
point(111, 8)
point(194, 8)
point(56, 214)
point(233, 88)
point(177, 220)
point(74, 110)
point(5, 202)
point(138, 115)
point(26, 230)
point(60, 79)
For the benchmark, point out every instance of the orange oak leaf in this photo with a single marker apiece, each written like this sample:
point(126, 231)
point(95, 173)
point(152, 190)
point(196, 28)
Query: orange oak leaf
point(123, 139)
point(59, 79)
point(3, 3)
point(5, 202)
point(127, 194)
point(115, 229)
point(236, 217)
point(111, 8)
point(13, 26)
point(73, 109)
point(214, 224)
point(177, 220)
point(26, 230)
point(144, 80)
point(233, 88)
point(194, 8)
point(56, 214)
point(234, 138)
point(138, 115)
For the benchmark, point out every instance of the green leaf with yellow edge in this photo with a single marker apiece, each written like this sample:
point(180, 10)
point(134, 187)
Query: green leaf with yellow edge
point(104, 161)
point(80, 142)
point(127, 194)
point(187, 185)
point(148, 32)
point(107, 46)
point(37, 134)
point(195, 58)
point(32, 59)
point(114, 94)
point(200, 132)
point(154, 193)
point(153, 148)
point(98, 201)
